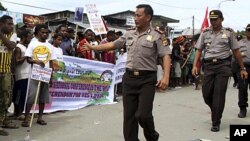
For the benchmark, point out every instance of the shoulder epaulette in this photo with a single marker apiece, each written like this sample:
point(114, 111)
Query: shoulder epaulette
point(229, 29)
point(131, 28)
point(159, 31)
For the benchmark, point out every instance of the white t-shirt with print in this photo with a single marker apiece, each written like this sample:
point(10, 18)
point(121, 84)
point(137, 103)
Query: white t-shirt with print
point(59, 53)
point(43, 51)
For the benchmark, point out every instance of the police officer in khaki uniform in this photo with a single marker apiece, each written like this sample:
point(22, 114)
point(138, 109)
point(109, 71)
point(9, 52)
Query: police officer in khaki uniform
point(216, 42)
point(144, 44)
point(243, 84)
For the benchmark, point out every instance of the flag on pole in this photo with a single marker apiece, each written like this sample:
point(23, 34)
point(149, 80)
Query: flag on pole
point(205, 23)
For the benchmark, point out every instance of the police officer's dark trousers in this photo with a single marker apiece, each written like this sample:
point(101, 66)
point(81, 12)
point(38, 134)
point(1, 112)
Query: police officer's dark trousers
point(214, 88)
point(243, 88)
point(138, 97)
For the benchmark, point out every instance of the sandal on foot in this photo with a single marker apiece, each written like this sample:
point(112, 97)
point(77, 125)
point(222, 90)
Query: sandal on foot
point(3, 132)
point(25, 124)
point(41, 122)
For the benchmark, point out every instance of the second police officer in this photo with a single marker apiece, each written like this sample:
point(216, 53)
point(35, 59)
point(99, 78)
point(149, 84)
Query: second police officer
point(217, 42)
point(243, 84)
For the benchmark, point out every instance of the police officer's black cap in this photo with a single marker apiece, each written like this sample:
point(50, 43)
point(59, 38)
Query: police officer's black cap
point(248, 27)
point(215, 14)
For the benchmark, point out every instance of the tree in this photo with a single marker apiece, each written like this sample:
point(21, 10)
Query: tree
point(2, 8)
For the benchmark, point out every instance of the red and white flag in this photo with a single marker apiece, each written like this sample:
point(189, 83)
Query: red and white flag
point(205, 23)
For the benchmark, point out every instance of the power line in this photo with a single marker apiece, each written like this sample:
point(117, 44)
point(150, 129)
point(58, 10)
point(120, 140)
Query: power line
point(27, 5)
point(162, 4)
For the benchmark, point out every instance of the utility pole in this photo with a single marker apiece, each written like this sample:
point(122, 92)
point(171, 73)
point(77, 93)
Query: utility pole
point(193, 25)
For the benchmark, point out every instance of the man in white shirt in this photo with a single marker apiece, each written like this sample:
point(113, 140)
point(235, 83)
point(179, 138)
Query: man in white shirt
point(41, 53)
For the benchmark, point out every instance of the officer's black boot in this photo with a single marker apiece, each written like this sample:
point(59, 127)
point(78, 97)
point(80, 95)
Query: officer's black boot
point(215, 128)
point(242, 113)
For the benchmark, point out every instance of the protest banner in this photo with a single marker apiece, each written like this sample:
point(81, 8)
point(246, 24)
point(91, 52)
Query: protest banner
point(79, 83)
point(120, 68)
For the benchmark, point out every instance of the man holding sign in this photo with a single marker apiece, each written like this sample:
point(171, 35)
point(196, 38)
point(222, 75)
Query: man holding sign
point(40, 53)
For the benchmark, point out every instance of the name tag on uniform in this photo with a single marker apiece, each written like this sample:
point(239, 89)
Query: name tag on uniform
point(149, 38)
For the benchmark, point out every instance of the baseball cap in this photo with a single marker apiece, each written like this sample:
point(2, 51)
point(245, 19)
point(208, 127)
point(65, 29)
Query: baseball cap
point(20, 25)
point(214, 14)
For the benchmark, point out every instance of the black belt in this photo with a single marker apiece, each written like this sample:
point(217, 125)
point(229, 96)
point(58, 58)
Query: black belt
point(216, 60)
point(139, 72)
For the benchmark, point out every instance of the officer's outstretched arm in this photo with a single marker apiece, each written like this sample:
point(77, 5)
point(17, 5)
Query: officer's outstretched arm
point(102, 47)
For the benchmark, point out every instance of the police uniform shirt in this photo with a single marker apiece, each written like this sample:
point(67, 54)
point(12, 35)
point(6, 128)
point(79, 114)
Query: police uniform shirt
point(143, 49)
point(217, 45)
point(245, 50)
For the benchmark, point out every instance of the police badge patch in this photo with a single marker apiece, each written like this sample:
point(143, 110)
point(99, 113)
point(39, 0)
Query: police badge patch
point(164, 40)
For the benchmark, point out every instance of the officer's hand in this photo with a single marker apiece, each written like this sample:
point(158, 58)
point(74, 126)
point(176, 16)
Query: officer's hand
point(163, 83)
point(195, 71)
point(86, 47)
point(243, 74)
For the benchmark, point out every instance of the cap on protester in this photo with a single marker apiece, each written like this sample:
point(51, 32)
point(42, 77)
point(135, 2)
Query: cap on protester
point(180, 39)
point(20, 25)
point(214, 14)
point(248, 27)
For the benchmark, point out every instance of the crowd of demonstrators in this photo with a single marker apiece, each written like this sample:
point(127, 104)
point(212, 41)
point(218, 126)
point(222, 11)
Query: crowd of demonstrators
point(183, 53)
point(16, 54)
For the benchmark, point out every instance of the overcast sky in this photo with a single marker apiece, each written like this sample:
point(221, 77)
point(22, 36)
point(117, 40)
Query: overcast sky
point(235, 12)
